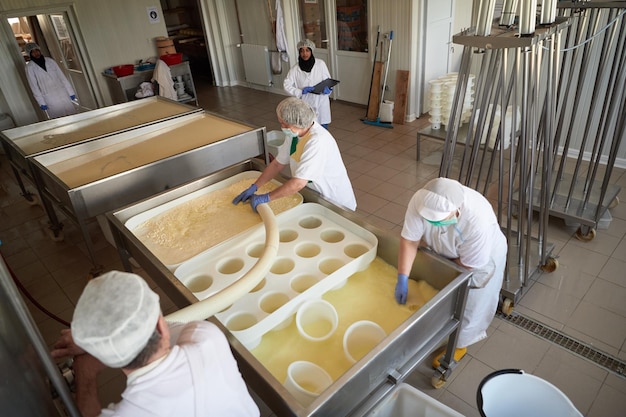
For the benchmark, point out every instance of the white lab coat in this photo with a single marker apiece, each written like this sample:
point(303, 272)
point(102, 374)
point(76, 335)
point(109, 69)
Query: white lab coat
point(318, 160)
point(480, 245)
point(199, 377)
point(297, 79)
point(51, 88)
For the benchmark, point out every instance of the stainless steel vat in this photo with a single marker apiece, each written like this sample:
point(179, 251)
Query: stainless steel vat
point(24, 142)
point(91, 178)
point(371, 378)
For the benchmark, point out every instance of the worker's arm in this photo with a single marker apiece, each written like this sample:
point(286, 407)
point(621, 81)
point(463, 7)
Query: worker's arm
point(408, 251)
point(86, 370)
point(292, 186)
point(269, 173)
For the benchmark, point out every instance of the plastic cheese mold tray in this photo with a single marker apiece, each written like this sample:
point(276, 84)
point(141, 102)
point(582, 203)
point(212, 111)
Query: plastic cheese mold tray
point(318, 251)
point(134, 222)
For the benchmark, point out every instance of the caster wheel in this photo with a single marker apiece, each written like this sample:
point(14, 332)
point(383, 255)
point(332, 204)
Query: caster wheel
point(32, 200)
point(614, 203)
point(550, 266)
point(438, 380)
point(507, 307)
point(585, 237)
point(56, 237)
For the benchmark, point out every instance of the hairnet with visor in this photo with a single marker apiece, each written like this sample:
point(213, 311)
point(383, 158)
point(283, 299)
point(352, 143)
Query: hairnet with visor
point(439, 198)
point(31, 46)
point(295, 112)
point(306, 43)
point(115, 316)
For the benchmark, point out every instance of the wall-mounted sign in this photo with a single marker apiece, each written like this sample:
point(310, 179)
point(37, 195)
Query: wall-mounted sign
point(153, 14)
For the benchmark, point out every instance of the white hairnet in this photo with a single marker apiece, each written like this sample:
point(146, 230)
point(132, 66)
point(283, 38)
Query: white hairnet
point(114, 317)
point(439, 198)
point(306, 43)
point(31, 46)
point(295, 112)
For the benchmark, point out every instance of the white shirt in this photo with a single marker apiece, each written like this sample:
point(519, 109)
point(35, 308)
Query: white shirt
point(199, 377)
point(318, 160)
point(297, 79)
point(51, 88)
point(476, 239)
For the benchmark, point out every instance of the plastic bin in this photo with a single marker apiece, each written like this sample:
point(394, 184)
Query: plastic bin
point(407, 401)
point(274, 139)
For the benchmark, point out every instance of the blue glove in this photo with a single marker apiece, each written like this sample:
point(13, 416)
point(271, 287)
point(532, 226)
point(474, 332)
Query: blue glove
point(43, 107)
point(327, 90)
point(402, 288)
point(73, 97)
point(307, 90)
point(257, 199)
point(244, 196)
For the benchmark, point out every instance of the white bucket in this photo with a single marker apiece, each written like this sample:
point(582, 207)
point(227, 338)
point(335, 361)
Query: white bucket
point(360, 338)
point(386, 111)
point(316, 320)
point(305, 381)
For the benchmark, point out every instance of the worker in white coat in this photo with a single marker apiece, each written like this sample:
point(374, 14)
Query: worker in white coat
point(50, 87)
point(458, 223)
point(313, 156)
point(302, 77)
point(172, 369)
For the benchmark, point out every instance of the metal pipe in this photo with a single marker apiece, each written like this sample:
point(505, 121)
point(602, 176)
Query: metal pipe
point(527, 17)
point(547, 15)
point(485, 17)
point(509, 11)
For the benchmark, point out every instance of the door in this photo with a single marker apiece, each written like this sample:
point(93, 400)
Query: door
point(438, 38)
point(60, 41)
point(339, 29)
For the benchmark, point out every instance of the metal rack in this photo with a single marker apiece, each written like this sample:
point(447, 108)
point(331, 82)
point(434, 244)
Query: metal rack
point(529, 68)
point(516, 72)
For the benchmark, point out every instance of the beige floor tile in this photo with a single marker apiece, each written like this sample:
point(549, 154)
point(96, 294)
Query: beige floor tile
point(582, 259)
point(599, 323)
point(607, 295)
point(613, 271)
point(608, 403)
point(550, 302)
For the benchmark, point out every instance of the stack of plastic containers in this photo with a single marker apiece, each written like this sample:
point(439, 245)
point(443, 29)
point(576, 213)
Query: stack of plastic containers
point(442, 92)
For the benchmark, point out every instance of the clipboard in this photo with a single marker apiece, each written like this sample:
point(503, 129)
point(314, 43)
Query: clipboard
point(319, 87)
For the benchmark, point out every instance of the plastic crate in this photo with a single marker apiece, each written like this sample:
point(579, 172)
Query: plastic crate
point(407, 401)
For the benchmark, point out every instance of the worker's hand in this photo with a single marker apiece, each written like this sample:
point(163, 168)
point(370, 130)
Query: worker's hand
point(65, 346)
point(257, 199)
point(402, 288)
point(327, 90)
point(73, 97)
point(307, 90)
point(43, 107)
point(244, 196)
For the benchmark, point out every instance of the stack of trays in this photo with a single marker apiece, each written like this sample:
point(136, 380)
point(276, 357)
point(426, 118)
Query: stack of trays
point(318, 251)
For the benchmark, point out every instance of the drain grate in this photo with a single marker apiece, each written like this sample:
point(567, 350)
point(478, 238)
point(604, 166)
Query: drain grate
point(577, 347)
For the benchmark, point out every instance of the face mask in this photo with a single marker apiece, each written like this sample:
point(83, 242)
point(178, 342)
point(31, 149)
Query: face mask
point(441, 223)
point(288, 131)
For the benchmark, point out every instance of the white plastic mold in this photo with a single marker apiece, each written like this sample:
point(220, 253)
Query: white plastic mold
point(134, 222)
point(318, 251)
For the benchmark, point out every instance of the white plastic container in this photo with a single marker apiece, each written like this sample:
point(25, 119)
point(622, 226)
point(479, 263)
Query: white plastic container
point(316, 320)
point(407, 401)
point(360, 338)
point(386, 111)
point(306, 381)
point(273, 140)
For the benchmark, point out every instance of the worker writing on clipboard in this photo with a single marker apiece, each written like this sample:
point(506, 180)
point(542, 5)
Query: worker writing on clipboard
point(313, 156)
point(458, 223)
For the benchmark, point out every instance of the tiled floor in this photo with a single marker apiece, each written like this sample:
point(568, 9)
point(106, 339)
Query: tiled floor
point(583, 298)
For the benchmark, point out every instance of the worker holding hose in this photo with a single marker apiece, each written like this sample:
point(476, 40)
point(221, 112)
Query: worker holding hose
point(172, 369)
point(458, 223)
point(313, 156)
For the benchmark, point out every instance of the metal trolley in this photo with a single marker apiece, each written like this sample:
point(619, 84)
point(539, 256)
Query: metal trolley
point(360, 388)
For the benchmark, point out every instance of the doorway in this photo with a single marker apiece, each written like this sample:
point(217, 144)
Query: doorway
point(339, 29)
point(55, 35)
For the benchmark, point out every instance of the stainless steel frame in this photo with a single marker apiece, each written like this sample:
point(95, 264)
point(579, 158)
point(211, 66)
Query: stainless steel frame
point(370, 379)
point(96, 198)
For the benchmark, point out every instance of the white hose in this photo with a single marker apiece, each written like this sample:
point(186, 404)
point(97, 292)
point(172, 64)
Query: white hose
point(206, 308)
